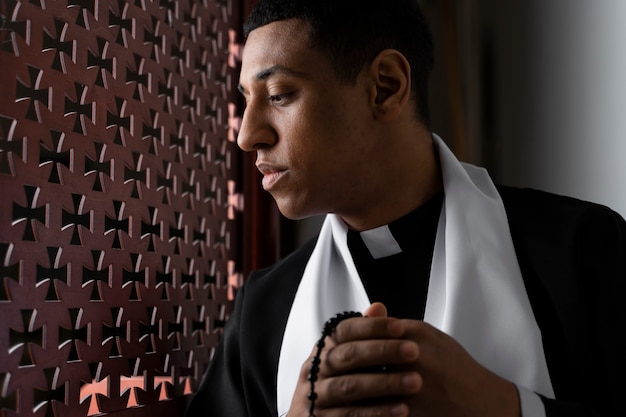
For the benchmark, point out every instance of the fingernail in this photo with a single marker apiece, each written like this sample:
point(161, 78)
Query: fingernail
point(411, 381)
point(400, 410)
point(409, 350)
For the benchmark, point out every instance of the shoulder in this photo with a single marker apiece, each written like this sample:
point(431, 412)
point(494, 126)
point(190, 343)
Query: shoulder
point(534, 211)
point(269, 292)
point(289, 267)
point(564, 236)
point(516, 199)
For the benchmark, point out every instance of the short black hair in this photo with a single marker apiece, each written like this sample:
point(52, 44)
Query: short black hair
point(353, 32)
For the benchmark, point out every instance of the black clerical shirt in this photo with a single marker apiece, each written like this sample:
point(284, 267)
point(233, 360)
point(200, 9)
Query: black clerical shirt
point(400, 281)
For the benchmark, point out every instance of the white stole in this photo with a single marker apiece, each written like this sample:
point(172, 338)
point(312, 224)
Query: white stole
point(476, 293)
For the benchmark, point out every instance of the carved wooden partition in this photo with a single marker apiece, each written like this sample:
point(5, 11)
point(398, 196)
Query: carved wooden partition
point(119, 201)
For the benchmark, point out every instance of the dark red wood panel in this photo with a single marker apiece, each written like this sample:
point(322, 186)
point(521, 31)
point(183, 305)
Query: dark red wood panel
point(121, 209)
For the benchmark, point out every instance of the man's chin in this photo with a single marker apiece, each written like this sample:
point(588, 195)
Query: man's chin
point(296, 212)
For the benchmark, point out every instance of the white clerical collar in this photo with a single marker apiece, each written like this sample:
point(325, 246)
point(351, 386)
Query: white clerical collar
point(380, 242)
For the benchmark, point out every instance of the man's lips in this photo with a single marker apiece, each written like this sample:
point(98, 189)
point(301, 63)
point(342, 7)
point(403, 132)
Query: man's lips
point(271, 174)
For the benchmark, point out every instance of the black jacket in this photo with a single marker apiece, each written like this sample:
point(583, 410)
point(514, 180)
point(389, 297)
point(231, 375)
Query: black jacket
point(573, 259)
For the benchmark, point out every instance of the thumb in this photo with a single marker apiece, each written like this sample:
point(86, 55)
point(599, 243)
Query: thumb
point(376, 310)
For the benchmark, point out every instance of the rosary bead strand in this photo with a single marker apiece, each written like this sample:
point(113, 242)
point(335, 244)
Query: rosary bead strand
point(329, 328)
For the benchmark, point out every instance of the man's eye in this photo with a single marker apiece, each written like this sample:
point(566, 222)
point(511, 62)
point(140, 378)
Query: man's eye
point(278, 98)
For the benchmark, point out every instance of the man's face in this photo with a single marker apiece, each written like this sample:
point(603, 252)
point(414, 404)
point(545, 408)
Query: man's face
point(311, 132)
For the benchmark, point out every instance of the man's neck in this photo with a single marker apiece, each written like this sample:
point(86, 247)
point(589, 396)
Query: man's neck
point(412, 178)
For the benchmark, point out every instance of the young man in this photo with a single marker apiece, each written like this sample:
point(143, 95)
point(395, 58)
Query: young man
point(495, 301)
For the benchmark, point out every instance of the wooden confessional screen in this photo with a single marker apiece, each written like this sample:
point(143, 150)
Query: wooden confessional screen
point(120, 205)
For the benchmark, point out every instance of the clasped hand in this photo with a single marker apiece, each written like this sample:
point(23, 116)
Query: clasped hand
point(381, 366)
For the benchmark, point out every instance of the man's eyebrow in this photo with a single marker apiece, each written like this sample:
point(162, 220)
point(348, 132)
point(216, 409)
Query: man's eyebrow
point(268, 72)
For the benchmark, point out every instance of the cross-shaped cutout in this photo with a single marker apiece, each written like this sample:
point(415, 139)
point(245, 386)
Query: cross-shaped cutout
point(134, 277)
point(152, 230)
point(165, 275)
point(178, 232)
point(80, 108)
point(200, 236)
point(85, 6)
point(166, 183)
point(50, 275)
point(103, 64)
point(76, 333)
point(136, 176)
point(137, 76)
point(21, 28)
point(210, 279)
point(34, 93)
point(29, 335)
point(154, 37)
point(30, 213)
point(61, 47)
point(77, 218)
point(188, 278)
point(176, 328)
point(153, 131)
point(180, 142)
point(170, 92)
point(200, 324)
point(100, 275)
point(9, 145)
point(100, 167)
point(117, 224)
point(125, 25)
point(118, 121)
point(56, 157)
point(113, 334)
point(53, 392)
point(150, 331)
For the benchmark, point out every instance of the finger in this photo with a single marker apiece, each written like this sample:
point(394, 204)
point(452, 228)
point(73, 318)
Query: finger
point(376, 310)
point(421, 330)
point(382, 410)
point(359, 355)
point(349, 389)
point(363, 328)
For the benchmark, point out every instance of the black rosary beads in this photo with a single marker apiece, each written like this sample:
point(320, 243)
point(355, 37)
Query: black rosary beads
point(328, 329)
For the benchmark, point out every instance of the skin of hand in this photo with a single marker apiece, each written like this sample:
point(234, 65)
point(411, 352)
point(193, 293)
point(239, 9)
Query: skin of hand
point(377, 366)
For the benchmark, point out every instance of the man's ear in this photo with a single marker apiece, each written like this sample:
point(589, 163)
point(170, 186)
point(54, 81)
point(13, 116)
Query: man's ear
point(391, 74)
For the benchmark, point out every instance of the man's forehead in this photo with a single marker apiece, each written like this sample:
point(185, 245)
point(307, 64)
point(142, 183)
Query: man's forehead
point(280, 34)
point(288, 29)
point(277, 48)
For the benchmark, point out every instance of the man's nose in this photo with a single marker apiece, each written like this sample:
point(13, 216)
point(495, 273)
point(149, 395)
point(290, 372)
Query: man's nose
point(256, 131)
